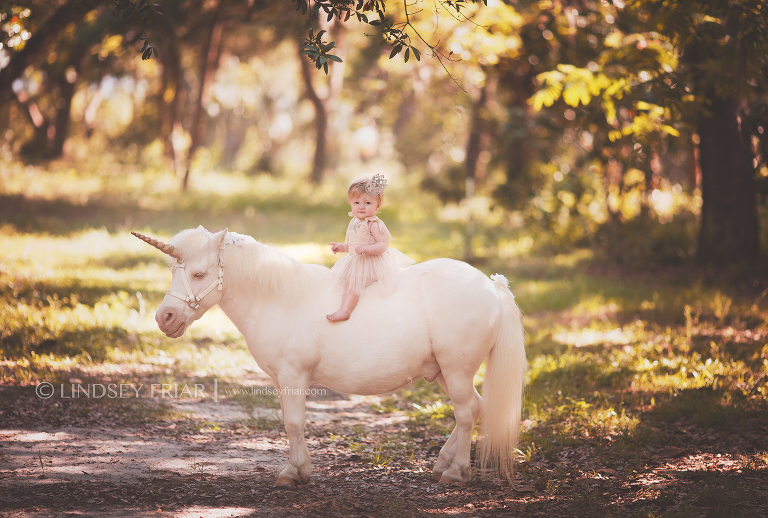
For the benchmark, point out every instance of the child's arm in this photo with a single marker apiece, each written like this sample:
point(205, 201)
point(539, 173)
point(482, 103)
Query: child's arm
point(339, 247)
point(379, 247)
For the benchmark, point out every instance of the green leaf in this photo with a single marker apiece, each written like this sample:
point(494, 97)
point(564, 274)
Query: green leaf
point(337, 59)
point(669, 129)
point(407, 54)
point(546, 96)
point(395, 51)
point(575, 93)
point(416, 53)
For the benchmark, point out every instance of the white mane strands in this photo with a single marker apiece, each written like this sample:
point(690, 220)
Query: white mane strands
point(271, 274)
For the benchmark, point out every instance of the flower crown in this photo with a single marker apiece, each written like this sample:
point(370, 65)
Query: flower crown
point(375, 185)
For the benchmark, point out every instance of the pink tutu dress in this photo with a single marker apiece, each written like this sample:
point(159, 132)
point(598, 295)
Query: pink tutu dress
point(358, 270)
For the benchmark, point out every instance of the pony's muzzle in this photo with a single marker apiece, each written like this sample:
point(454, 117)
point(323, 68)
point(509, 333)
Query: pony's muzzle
point(167, 319)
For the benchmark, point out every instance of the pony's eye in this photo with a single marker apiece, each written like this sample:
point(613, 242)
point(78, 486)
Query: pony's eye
point(199, 275)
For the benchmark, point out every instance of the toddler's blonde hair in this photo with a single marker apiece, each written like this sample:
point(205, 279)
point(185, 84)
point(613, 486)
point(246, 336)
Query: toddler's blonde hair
point(357, 189)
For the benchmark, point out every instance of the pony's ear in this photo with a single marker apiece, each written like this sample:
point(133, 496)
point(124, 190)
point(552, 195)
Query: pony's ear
point(218, 238)
point(200, 227)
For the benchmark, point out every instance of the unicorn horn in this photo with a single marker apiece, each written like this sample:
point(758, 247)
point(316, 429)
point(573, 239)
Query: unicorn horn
point(163, 247)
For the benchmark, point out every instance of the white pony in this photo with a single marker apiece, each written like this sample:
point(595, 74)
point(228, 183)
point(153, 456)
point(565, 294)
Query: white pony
point(443, 319)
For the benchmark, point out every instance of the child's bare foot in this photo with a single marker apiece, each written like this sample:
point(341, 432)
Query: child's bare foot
point(339, 316)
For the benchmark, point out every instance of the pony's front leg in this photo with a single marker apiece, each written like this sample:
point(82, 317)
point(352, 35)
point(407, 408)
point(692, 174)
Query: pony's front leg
point(292, 402)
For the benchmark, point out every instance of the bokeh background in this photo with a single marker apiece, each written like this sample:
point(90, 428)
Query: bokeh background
point(608, 157)
point(572, 125)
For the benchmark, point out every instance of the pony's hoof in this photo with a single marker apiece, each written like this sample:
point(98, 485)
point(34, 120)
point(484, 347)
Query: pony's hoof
point(441, 466)
point(286, 482)
point(451, 477)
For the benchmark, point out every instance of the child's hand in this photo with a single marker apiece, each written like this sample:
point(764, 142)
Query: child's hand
point(338, 247)
point(360, 249)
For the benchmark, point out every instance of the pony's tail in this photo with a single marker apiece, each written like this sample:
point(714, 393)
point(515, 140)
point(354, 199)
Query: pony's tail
point(503, 388)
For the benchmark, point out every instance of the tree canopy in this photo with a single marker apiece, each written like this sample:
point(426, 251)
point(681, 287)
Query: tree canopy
point(584, 118)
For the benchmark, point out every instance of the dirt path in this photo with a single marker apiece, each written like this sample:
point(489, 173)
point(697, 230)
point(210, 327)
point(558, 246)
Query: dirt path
point(221, 459)
point(169, 468)
point(206, 457)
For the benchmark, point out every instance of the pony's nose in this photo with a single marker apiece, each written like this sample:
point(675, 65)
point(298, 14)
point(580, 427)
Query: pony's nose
point(166, 317)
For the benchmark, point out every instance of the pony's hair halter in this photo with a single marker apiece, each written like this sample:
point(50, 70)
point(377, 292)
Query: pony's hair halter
point(192, 300)
point(375, 185)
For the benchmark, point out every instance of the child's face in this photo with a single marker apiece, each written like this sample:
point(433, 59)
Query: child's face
point(364, 206)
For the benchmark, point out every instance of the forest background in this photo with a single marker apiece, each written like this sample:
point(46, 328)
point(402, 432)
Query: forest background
point(609, 157)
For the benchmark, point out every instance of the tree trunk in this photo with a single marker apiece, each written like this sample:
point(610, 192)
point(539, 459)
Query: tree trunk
point(211, 52)
point(405, 112)
point(33, 150)
point(66, 91)
point(515, 144)
point(475, 144)
point(35, 46)
point(61, 121)
point(729, 223)
point(324, 106)
point(321, 122)
point(235, 127)
point(479, 129)
point(169, 116)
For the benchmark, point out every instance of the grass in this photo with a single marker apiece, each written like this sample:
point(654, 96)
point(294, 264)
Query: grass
point(622, 364)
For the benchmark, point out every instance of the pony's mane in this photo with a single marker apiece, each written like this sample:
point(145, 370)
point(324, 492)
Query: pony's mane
point(254, 267)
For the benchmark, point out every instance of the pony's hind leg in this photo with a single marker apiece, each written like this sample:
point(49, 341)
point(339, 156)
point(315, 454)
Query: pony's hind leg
point(453, 463)
point(448, 451)
point(292, 402)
